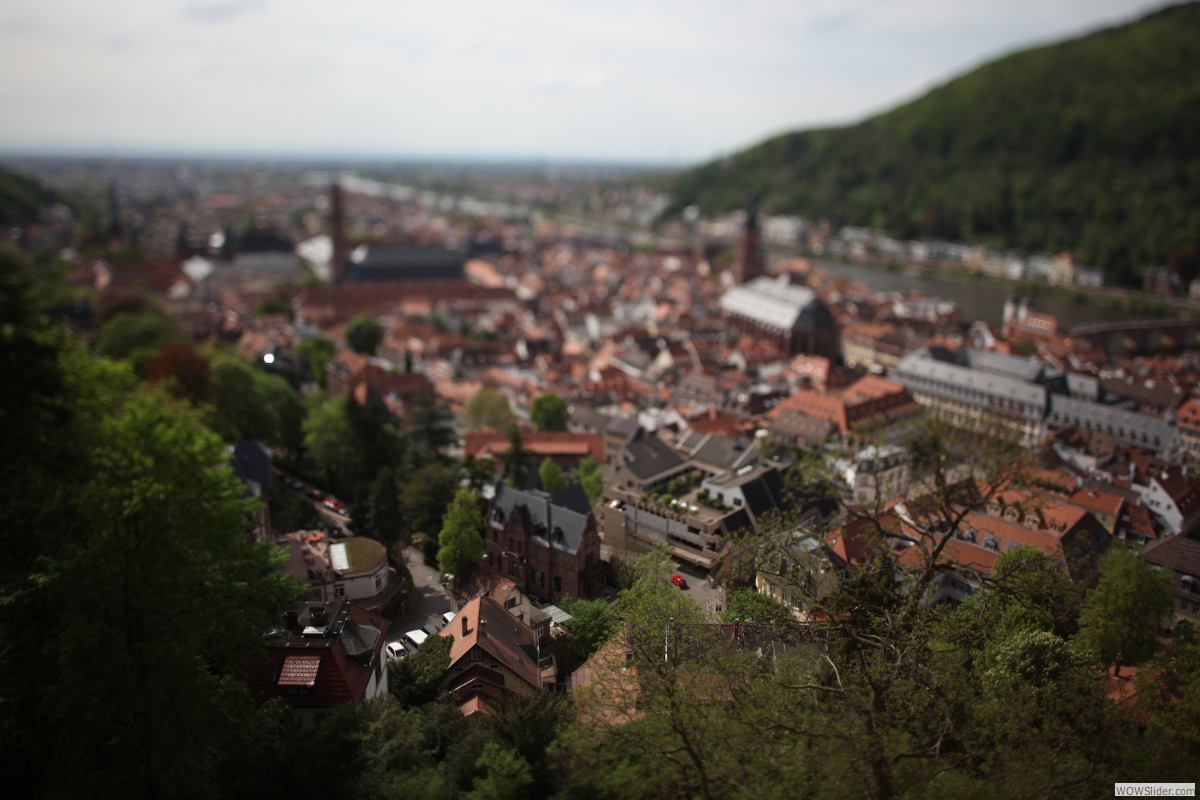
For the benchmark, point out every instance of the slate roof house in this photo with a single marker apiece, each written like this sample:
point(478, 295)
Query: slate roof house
point(1181, 556)
point(546, 544)
point(323, 655)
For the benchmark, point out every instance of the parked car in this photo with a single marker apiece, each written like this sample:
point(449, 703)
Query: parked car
point(414, 639)
point(315, 494)
point(679, 581)
point(396, 650)
point(293, 483)
point(333, 505)
point(446, 617)
point(432, 629)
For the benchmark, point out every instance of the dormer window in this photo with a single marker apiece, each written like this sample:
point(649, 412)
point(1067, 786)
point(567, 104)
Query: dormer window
point(991, 542)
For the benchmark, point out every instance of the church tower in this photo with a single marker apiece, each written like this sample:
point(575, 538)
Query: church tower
point(750, 264)
point(337, 233)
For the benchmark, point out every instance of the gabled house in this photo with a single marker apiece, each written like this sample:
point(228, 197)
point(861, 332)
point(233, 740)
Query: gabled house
point(1174, 499)
point(321, 656)
point(546, 544)
point(1181, 556)
point(494, 656)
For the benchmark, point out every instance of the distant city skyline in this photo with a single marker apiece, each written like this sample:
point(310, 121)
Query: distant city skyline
point(669, 83)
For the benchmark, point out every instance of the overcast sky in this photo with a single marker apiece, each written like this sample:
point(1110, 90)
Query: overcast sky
point(618, 80)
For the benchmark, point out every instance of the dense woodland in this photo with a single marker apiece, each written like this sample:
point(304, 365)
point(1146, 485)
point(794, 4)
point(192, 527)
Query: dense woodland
point(1091, 145)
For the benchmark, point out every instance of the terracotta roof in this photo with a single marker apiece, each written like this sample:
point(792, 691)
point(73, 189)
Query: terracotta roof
point(299, 671)
point(489, 626)
point(1096, 501)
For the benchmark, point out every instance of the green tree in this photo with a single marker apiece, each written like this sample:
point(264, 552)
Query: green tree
point(590, 476)
point(274, 305)
point(384, 516)
point(516, 459)
point(479, 471)
point(414, 679)
point(424, 500)
point(363, 334)
point(1123, 613)
point(128, 334)
point(551, 477)
point(239, 411)
point(287, 409)
point(750, 604)
point(592, 624)
point(432, 425)
point(549, 412)
point(163, 577)
point(461, 540)
point(330, 439)
point(316, 351)
point(507, 775)
point(487, 408)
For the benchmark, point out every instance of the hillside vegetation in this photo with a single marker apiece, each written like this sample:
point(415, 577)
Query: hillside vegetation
point(20, 198)
point(1091, 144)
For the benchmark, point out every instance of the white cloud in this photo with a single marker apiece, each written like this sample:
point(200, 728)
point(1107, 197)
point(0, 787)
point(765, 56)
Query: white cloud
point(620, 79)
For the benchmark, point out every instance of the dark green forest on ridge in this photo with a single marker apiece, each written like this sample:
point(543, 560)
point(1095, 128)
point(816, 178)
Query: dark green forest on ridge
point(1091, 145)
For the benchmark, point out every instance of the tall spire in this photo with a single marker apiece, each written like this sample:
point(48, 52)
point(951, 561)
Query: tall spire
point(750, 260)
point(337, 232)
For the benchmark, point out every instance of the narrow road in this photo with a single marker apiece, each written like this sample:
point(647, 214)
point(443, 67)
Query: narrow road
point(431, 602)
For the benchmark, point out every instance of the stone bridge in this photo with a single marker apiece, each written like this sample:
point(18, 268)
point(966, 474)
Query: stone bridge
point(1136, 337)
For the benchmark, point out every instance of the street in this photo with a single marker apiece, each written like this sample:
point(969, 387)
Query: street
point(432, 600)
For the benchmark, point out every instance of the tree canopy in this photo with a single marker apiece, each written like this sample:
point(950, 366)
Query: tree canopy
point(487, 408)
point(461, 540)
point(363, 334)
point(549, 412)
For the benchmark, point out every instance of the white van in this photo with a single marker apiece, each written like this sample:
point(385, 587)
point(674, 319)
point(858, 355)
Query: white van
point(414, 639)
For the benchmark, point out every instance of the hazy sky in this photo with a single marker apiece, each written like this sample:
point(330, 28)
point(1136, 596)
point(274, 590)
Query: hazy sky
point(673, 81)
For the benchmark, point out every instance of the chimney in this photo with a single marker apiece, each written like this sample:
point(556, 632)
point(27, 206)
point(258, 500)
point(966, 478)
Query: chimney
point(463, 617)
point(290, 619)
point(337, 232)
point(1116, 666)
point(316, 614)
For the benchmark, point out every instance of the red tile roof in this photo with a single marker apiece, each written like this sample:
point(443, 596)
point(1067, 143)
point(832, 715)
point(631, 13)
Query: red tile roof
point(299, 671)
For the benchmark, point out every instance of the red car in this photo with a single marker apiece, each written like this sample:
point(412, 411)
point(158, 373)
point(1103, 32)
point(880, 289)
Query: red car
point(315, 494)
point(333, 505)
point(679, 581)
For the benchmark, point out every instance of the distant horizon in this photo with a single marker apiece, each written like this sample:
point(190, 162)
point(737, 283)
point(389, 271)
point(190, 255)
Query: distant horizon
point(133, 154)
point(663, 86)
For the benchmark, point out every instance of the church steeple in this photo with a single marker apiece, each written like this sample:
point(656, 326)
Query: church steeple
point(750, 263)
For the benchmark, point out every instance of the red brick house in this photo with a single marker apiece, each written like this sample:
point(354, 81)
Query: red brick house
point(547, 545)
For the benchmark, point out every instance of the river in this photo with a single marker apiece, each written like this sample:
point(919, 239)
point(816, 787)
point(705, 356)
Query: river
point(983, 301)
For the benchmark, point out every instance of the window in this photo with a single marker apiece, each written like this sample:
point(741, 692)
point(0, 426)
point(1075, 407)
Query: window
point(476, 654)
point(458, 669)
point(553, 557)
point(510, 543)
point(557, 583)
point(537, 553)
point(378, 582)
point(339, 592)
point(493, 666)
point(737, 501)
point(539, 578)
point(317, 594)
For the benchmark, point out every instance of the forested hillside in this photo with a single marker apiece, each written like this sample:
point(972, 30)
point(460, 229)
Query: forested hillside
point(20, 197)
point(1091, 144)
